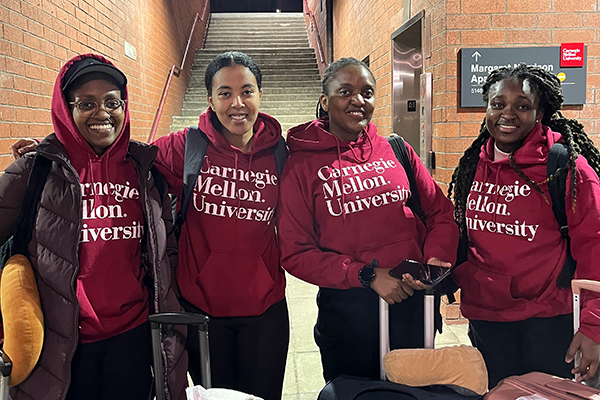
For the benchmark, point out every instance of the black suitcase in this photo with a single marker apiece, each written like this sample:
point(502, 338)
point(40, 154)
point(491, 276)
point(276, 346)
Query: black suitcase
point(178, 318)
point(346, 387)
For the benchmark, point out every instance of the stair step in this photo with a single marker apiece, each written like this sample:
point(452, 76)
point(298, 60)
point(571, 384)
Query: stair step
point(271, 68)
point(257, 52)
point(283, 119)
point(295, 89)
point(266, 63)
point(290, 103)
point(244, 40)
point(279, 33)
point(194, 80)
point(279, 44)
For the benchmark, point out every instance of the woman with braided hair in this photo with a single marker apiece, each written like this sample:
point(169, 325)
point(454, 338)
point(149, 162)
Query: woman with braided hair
point(520, 318)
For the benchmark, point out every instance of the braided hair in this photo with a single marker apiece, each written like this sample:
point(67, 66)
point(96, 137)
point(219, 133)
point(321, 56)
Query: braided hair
point(329, 74)
point(547, 86)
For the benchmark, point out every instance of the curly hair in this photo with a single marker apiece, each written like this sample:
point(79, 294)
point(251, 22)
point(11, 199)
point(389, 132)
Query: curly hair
point(329, 74)
point(547, 86)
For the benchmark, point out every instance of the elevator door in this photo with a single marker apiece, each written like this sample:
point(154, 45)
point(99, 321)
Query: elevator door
point(407, 66)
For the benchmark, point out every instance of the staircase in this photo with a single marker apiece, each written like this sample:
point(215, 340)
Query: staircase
point(278, 43)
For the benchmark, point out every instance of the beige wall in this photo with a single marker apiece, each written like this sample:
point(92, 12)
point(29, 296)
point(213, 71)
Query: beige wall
point(38, 36)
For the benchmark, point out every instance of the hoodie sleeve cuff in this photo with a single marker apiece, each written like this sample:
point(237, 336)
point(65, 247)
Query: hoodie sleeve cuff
point(352, 272)
point(590, 331)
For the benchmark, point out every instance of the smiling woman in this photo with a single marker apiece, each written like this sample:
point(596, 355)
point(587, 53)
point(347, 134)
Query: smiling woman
point(228, 254)
point(343, 204)
point(98, 207)
point(99, 125)
point(522, 297)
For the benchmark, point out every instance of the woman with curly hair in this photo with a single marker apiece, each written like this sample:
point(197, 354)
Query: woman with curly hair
point(520, 312)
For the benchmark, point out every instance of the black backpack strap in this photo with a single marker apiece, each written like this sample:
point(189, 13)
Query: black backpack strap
point(558, 157)
point(28, 214)
point(196, 143)
point(280, 153)
point(401, 152)
point(159, 181)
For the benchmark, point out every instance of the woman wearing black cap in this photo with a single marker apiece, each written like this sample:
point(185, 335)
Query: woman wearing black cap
point(99, 247)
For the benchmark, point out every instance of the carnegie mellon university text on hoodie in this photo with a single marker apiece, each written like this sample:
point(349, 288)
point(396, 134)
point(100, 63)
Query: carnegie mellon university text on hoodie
point(220, 191)
point(99, 217)
point(489, 209)
point(363, 186)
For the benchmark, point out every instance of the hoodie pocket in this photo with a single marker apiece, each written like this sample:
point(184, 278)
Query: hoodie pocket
point(391, 254)
point(484, 289)
point(110, 295)
point(234, 284)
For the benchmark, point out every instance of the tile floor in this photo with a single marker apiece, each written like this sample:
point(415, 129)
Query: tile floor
point(303, 377)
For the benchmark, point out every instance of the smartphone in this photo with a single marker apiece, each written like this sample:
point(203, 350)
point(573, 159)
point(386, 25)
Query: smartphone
point(426, 273)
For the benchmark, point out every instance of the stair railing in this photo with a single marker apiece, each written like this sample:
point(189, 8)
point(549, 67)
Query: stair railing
point(175, 71)
point(316, 32)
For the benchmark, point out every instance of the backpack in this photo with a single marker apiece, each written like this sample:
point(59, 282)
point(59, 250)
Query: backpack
point(414, 203)
point(558, 158)
point(196, 143)
point(17, 244)
point(35, 185)
point(401, 152)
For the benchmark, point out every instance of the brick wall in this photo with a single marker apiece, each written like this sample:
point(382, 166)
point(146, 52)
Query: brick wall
point(364, 27)
point(38, 36)
point(318, 8)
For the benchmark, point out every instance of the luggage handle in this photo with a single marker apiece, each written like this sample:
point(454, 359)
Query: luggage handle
point(5, 370)
point(179, 318)
point(384, 328)
point(577, 285)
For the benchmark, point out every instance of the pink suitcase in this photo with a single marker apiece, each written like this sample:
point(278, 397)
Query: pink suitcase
point(541, 386)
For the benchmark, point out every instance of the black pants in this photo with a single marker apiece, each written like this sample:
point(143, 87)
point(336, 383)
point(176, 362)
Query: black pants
point(246, 353)
point(113, 369)
point(515, 348)
point(347, 330)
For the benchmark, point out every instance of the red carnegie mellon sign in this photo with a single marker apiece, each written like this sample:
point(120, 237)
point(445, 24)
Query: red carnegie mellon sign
point(571, 55)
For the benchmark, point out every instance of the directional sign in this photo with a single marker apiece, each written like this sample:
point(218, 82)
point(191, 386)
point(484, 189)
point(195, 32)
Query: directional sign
point(477, 63)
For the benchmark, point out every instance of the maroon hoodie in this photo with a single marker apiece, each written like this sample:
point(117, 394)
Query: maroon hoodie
point(228, 255)
point(516, 251)
point(343, 204)
point(112, 298)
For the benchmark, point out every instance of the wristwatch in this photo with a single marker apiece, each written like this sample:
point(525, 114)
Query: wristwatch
point(366, 275)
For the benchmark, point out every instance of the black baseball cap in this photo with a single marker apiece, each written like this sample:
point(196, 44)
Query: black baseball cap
point(88, 65)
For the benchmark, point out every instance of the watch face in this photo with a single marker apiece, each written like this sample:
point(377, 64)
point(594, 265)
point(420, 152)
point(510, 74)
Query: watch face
point(366, 276)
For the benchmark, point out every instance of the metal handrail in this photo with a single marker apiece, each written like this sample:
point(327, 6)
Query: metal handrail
point(318, 37)
point(175, 71)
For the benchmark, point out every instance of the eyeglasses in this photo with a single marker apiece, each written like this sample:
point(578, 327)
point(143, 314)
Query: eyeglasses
point(88, 108)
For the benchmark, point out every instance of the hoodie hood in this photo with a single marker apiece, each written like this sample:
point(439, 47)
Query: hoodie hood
point(79, 151)
point(267, 132)
point(315, 135)
point(534, 149)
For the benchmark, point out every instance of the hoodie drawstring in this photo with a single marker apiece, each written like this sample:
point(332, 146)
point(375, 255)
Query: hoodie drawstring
point(339, 153)
point(357, 158)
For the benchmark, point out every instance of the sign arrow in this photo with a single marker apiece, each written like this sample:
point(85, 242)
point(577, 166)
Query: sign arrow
point(476, 55)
